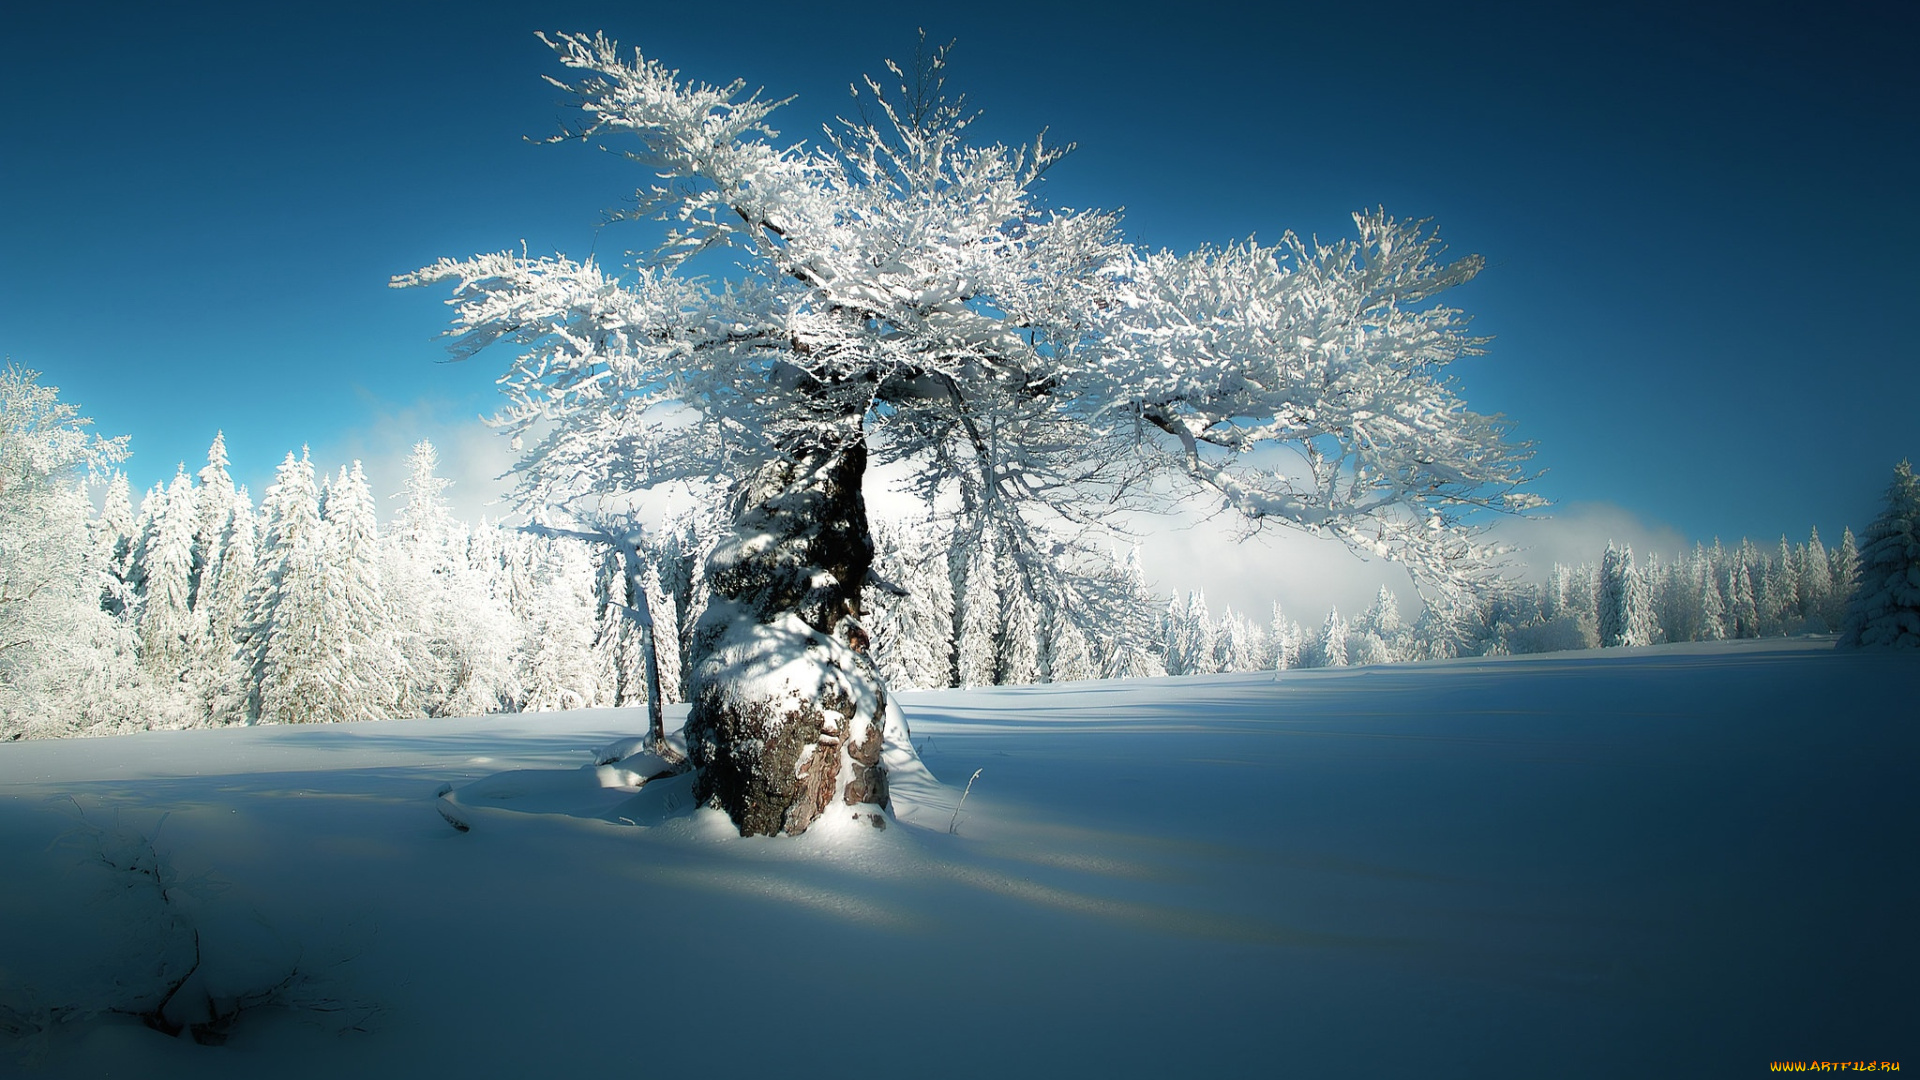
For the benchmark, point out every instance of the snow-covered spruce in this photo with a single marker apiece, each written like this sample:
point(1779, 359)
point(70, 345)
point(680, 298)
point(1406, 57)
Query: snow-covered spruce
point(905, 296)
point(1885, 608)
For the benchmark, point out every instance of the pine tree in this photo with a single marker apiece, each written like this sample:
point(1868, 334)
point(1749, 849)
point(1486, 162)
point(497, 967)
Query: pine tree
point(1125, 649)
point(666, 630)
point(1070, 657)
point(1845, 565)
point(1816, 582)
point(911, 631)
point(557, 671)
point(1381, 630)
point(1884, 610)
point(1333, 640)
point(456, 640)
point(112, 535)
point(365, 669)
point(278, 646)
point(1286, 637)
point(1198, 636)
point(976, 601)
point(1615, 598)
point(1743, 611)
point(1173, 636)
point(170, 635)
point(1780, 595)
point(1713, 606)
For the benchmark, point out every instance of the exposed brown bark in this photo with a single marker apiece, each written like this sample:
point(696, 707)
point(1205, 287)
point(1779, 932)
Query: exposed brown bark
point(777, 756)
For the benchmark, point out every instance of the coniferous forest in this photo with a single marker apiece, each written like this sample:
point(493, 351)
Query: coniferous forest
point(202, 608)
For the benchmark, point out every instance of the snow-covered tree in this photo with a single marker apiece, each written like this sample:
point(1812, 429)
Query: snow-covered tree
point(1816, 582)
point(113, 540)
point(213, 511)
point(1624, 615)
point(455, 641)
point(558, 671)
point(903, 297)
point(1190, 636)
point(1381, 637)
point(365, 670)
point(282, 649)
point(1712, 605)
point(1743, 610)
point(1884, 610)
point(1069, 654)
point(1237, 646)
point(912, 628)
point(1287, 639)
point(1019, 643)
point(1778, 592)
point(1331, 649)
point(1124, 644)
point(976, 596)
point(170, 633)
point(1845, 566)
point(54, 672)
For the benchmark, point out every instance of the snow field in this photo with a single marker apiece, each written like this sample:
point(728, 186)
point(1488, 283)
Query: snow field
point(1692, 856)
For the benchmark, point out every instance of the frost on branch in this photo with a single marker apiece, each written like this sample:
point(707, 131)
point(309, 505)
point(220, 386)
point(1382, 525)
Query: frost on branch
point(902, 298)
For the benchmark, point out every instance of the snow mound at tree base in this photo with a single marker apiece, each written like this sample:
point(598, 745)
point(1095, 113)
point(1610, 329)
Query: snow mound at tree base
point(631, 783)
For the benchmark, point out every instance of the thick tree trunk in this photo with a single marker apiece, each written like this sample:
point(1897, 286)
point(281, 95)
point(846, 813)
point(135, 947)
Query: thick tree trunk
point(787, 709)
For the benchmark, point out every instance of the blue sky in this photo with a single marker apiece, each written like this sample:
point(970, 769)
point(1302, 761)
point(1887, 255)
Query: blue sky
point(1698, 226)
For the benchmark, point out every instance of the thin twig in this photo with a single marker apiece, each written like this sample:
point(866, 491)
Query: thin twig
point(953, 827)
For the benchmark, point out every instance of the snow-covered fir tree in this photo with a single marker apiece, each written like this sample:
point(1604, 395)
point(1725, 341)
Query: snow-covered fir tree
point(1238, 645)
point(1018, 657)
point(170, 635)
point(1331, 647)
point(111, 536)
point(977, 615)
point(557, 669)
point(365, 672)
point(1624, 616)
point(1287, 639)
point(912, 629)
point(1069, 654)
point(1124, 647)
point(1884, 610)
point(455, 640)
point(1378, 637)
point(1816, 582)
point(214, 498)
point(281, 645)
point(1845, 565)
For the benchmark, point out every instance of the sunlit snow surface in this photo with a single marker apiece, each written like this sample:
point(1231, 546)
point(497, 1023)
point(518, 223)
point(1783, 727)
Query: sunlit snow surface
point(1681, 860)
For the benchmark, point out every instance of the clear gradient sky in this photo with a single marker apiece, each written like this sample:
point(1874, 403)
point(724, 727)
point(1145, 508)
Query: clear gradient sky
point(1699, 226)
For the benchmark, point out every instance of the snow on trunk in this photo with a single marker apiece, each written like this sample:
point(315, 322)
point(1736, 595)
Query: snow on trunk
point(787, 705)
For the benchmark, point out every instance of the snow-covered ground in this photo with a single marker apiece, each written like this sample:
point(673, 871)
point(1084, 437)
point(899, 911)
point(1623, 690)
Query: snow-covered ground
point(1680, 860)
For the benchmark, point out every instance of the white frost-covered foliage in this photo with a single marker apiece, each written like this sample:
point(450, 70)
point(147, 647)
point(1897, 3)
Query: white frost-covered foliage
point(1030, 354)
point(911, 628)
point(62, 662)
point(557, 671)
point(454, 638)
point(1008, 352)
point(1884, 611)
point(1623, 610)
